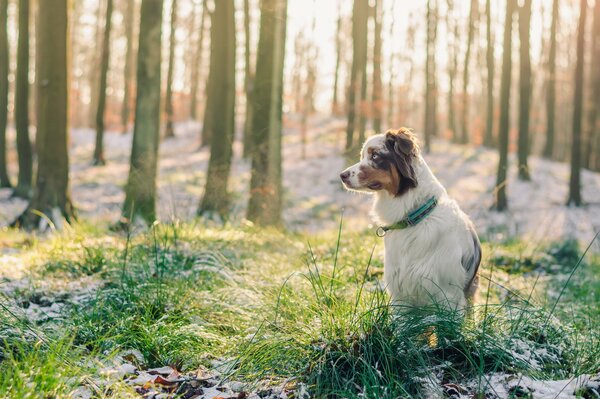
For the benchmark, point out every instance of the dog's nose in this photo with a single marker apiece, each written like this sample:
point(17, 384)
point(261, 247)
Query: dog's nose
point(344, 175)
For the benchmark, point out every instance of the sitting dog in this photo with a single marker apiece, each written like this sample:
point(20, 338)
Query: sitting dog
point(432, 252)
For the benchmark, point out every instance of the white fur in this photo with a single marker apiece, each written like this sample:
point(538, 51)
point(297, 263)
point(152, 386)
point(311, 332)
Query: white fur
point(423, 263)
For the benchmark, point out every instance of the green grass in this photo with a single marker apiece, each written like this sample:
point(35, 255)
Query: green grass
point(278, 306)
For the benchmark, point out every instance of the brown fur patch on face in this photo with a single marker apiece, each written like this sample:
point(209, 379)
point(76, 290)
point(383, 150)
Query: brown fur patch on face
point(379, 179)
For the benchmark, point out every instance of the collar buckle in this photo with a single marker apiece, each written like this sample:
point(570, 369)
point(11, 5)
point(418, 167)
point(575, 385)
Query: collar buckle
point(380, 232)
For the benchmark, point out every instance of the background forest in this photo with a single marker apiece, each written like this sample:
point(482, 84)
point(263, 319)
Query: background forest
point(172, 224)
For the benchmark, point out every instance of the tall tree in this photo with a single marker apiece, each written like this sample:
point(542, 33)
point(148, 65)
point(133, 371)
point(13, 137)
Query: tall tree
point(128, 72)
point(99, 149)
point(169, 131)
point(551, 85)
point(392, 70)
point(430, 74)
point(360, 19)
point(524, 88)
point(377, 84)
point(248, 81)
point(592, 145)
point(96, 62)
point(453, 33)
point(4, 71)
point(335, 107)
point(51, 195)
point(501, 202)
point(464, 116)
point(221, 92)
point(488, 139)
point(140, 192)
point(265, 203)
point(196, 68)
point(575, 179)
point(23, 188)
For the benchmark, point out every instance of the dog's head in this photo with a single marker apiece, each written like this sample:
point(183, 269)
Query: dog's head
point(386, 163)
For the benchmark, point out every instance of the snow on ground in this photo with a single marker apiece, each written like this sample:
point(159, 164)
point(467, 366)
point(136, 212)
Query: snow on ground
point(314, 198)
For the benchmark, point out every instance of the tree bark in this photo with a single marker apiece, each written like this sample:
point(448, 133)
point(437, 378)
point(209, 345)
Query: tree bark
point(169, 131)
point(360, 18)
point(501, 202)
point(525, 88)
point(104, 63)
point(575, 179)
point(221, 82)
point(4, 71)
point(51, 200)
point(377, 99)
point(248, 82)
point(23, 189)
point(488, 140)
point(129, 54)
point(592, 146)
point(430, 84)
point(197, 64)
point(140, 192)
point(464, 138)
point(265, 203)
point(452, 68)
point(551, 85)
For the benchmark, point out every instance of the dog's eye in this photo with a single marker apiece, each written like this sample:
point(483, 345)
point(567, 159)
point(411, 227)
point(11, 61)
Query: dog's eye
point(375, 157)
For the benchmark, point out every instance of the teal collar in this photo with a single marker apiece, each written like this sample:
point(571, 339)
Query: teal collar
point(412, 219)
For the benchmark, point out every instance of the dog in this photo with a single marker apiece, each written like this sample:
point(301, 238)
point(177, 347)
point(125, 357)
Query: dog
point(432, 251)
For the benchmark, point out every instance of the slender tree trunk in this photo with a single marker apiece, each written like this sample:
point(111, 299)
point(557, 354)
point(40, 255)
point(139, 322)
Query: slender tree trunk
point(525, 88)
point(196, 67)
point(95, 62)
point(169, 131)
point(23, 189)
point(128, 78)
point(335, 107)
point(4, 71)
point(377, 84)
point(501, 202)
point(99, 150)
point(221, 80)
point(140, 192)
point(360, 18)
point(248, 82)
point(551, 85)
point(392, 72)
point(575, 180)
point(430, 84)
point(51, 196)
point(452, 67)
point(465, 95)
point(265, 203)
point(488, 140)
point(592, 146)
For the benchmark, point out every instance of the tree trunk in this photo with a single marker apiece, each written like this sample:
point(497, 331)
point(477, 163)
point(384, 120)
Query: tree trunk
point(221, 82)
point(23, 189)
point(592, 146)
point(501, 202)
point(51, 195)
point(248, 82)
point(392, 72)
point(551, 85)
point(4, 71)
point(335, 107)
point(169, 131)
point(140, 192)
point(525, 88)
point(99, 150)
point(575, 180)
point(125, 110)
point(197, 64)
point(488, 140)
point(430, 125)
point(377, 84)
point(96, 61)
point(360, 18)
point(464, 138)
point(265, 203)
point(452, 67)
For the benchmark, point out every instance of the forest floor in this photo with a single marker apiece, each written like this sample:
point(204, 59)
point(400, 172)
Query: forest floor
point(191, 309)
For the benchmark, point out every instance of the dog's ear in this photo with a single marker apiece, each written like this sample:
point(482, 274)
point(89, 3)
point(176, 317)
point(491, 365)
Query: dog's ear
point(403, 148)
